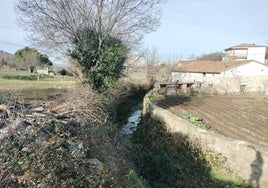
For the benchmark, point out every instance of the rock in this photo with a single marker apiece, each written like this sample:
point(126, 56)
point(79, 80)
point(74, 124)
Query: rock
point(112, 166)
point(3, 107)
point(96, 163)
point(10, 127)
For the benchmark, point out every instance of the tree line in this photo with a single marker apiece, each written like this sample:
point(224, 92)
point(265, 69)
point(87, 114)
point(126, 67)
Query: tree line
point(24, 59)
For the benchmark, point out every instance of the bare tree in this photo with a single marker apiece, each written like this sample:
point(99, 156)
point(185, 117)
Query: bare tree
point(215, 56)
point(151, 56)
point(54, 23)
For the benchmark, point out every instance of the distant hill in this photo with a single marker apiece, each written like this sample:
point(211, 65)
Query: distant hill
point(7, 59)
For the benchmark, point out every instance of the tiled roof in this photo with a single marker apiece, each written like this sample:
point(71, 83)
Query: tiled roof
point(206, 66)
point(243, 45)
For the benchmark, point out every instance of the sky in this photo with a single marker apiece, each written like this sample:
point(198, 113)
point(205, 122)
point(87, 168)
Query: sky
point(12, 37)
point(188, 27)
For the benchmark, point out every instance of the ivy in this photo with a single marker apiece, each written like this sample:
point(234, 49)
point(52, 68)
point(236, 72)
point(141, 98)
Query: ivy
point(101, 58)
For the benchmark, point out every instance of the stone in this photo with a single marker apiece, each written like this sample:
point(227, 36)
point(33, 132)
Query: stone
point(3, 107)
point(96, 163)
point(112, 166)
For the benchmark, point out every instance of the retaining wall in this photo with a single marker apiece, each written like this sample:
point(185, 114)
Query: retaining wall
point(248, 161)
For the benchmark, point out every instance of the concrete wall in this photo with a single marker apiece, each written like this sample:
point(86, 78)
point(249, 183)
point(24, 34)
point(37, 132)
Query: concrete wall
point(244, 159)
point(251, 53)
point(257, 53)
point(249, 69)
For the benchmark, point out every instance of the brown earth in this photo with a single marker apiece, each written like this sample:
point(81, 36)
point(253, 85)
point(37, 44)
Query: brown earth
point(239, 117)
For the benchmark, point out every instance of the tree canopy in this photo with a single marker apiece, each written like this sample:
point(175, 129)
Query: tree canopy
point(101, 62)
point(29, 58)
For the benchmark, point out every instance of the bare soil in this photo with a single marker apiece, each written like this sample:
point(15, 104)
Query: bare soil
point(239, 117)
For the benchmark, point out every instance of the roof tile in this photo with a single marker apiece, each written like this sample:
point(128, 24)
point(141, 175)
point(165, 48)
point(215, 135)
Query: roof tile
point(206, 66)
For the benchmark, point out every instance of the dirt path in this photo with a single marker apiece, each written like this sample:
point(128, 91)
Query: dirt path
point(239, 117)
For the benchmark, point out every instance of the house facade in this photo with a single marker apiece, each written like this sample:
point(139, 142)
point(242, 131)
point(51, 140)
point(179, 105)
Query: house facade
point(246, 51)
point(222, 77)
point(42, 70)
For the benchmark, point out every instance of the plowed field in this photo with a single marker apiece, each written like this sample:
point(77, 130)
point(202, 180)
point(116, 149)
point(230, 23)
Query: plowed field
point(239, 117)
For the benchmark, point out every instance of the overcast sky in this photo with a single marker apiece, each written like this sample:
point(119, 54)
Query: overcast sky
point(188, 27)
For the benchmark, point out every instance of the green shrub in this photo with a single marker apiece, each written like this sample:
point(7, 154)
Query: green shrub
point(63, 72)
point(195, 120)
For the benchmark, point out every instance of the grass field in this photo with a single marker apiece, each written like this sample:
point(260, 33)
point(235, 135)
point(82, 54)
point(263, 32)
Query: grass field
point(32, 87)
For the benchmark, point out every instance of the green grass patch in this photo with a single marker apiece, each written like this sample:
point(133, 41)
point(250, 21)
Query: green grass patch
point(156, 97)
point(26, 77)
point(195, 120)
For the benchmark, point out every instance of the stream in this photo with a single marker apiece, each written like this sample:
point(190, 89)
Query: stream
point(132, 122)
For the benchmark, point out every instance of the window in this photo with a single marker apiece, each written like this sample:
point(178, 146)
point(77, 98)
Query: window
point(199, 85)
point(243, 88)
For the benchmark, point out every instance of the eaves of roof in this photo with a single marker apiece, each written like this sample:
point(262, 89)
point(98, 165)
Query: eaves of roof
point(210, 67)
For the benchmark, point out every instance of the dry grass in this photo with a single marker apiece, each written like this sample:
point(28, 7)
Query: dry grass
point(86, 106)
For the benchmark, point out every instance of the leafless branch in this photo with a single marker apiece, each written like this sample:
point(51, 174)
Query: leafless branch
point(54, 24)
point(86, 106)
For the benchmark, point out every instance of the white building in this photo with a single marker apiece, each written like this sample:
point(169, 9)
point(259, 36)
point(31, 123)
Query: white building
point(246, 51)
point(223, 77)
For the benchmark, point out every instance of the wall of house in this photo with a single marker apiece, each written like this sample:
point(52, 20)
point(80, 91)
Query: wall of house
point(242, 158)
point(240, 54)
point(248, 78)
point(181, 77)
point(42, 70)
point(257, 53)
point(237, 85)
point(227, 84)
point(249, 69)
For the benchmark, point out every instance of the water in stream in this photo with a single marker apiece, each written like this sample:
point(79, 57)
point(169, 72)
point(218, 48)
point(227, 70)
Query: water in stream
point(132, 123)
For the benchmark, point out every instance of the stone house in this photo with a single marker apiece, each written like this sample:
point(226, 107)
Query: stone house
point(222, 77)
point(42, 70)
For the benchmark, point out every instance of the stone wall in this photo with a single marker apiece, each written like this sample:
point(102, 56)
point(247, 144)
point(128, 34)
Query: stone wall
point(224, 84)
point(244, 159)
